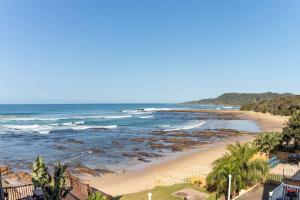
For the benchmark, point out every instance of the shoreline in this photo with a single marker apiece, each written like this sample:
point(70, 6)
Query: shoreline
point(143, 177)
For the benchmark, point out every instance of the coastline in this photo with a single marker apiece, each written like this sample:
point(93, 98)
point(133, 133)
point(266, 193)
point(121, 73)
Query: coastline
point(143, 177)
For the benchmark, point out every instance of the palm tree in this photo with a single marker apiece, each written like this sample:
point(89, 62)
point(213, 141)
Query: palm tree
point(240, 162)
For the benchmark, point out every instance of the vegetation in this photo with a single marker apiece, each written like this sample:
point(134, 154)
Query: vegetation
point(291, 133)
point(96, 196)
point(238, 99)
point(163, 193)
point(240, 162)
point(268, 142)
point(53, 186)
point(287, 105)
point(288, 140)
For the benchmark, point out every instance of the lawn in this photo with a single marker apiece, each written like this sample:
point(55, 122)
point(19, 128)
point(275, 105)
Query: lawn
point(162, 193)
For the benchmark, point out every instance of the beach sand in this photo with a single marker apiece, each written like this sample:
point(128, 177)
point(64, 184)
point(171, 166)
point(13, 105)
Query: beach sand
point(140, 178)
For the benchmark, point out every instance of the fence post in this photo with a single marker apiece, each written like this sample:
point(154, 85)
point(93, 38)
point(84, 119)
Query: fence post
point(229, 186)
point(149, 196)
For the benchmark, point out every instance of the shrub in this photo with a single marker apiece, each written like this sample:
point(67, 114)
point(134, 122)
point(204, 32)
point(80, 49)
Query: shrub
point(96, 196)
point(268, 142)
point(291, 133)
point(53, 186)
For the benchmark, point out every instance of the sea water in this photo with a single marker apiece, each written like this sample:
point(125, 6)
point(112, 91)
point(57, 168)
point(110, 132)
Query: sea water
point(96, 135)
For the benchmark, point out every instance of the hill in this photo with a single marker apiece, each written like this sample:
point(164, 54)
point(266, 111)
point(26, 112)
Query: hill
point(238, 99)
point(287, 105)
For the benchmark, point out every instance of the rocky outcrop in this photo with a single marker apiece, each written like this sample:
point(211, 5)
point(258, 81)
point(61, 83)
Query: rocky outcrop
point(80, 169)
point(4, 169)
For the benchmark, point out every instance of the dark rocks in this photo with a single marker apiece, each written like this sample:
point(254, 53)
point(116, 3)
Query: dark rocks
point(158, 145)
point(74, 141)
point(143, 159)
point(81, 170)
point(137, 139)
point(60, 147)
point(153, 139)
point(141, 156)
point(103, 171)
point(129, 155)
point(149, 155)
point(116, 144)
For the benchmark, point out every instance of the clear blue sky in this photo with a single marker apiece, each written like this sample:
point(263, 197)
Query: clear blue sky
point(68, 51)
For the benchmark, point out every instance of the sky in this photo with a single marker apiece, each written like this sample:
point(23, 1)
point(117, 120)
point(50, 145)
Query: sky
point(138, 51)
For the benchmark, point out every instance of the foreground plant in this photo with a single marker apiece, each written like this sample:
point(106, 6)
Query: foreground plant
point(240, 162)
point(96, 196)
point(53, 186)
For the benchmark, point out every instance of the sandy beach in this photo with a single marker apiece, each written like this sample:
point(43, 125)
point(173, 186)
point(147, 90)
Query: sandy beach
point(143, 177)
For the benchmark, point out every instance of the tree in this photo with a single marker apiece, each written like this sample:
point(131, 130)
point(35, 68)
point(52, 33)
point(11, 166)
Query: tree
point(268, 142)
point(291, 133)
point(240, 162)
point(53, 187)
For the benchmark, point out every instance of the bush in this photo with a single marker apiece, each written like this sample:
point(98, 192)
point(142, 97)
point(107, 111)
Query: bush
point(268, 142)
point(291, 133)
point(53, 186)
point(96, 196)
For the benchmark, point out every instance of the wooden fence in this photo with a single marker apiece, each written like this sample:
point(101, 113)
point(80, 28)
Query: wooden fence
point(80, 191)
point(19, 192)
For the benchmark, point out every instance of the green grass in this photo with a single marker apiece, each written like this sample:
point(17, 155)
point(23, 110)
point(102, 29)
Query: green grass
point(162, 193)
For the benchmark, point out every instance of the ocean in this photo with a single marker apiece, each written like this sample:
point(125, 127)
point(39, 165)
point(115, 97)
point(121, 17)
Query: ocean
point(100, 136)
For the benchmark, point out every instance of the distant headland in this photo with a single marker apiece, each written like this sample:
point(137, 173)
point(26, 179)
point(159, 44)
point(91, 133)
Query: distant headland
point(238, 99)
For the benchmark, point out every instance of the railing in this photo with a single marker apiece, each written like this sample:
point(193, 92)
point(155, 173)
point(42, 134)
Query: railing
point(281, 191)
point(277, 193)
point(79, 190)
point(19, 192)
point(171, 177)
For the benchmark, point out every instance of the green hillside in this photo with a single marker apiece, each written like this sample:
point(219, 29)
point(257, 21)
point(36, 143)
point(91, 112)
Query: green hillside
point(287, 105)
point(238, 99)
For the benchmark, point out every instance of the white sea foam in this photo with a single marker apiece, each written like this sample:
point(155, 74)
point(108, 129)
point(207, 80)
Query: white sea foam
point(150, 110)
point(80, 122)
point(45, 129)
point(146, 117)
point(25, 118)
point(67, 124)
point(190, 125)
point(100, 117)
point(118, 117)
point(164, 126)
point(134, 112)
point(156, 109)
point(94, 127)
point(228, 107)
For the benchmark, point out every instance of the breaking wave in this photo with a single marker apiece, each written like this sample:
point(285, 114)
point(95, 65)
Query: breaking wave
point(191, 125)
point(46, 129)
point(146, 117)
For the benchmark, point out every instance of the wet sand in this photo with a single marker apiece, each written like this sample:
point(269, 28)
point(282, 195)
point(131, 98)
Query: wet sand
point(144, 176)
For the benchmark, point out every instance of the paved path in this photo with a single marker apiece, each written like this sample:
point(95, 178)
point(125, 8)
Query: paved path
point(261, 192)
